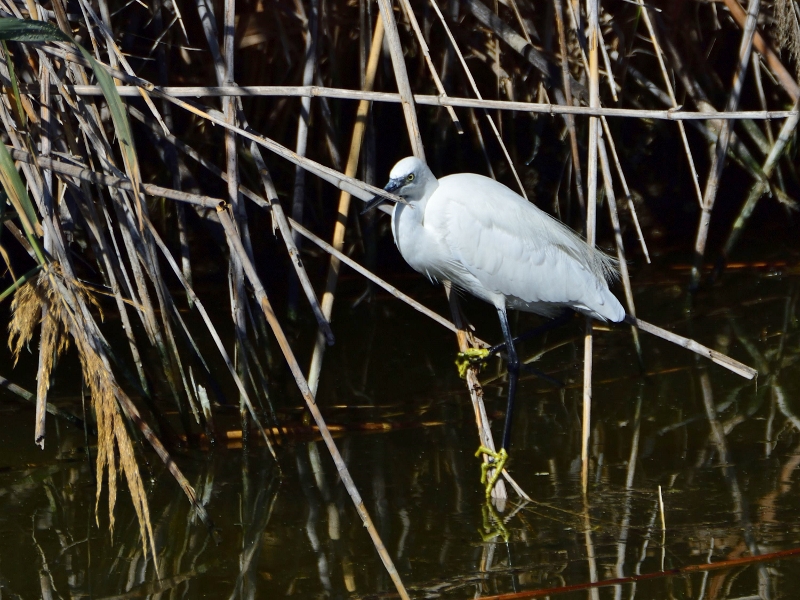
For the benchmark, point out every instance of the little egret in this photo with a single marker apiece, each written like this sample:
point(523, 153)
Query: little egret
point(489, 241)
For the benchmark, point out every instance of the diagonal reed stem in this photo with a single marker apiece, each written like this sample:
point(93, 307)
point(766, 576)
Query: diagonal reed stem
point(401, 78)
point(623, 264)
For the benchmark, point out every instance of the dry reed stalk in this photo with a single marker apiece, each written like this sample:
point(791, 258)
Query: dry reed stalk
point(121, 124)
point(476, 130)
point(140, 250)
point(177, 92)
point(344, 205)
point(113, 263)
point(623, 264)
point(612, 85)
point(157, 191)
point(725, 361)
point(328, 123)
point(115, 55)
point(48, 352)
point(50, 347)
point(427, 54)
point(96, 223)
point(500, 75)
point(224, 69)
point(663, 526)
point(283, 342)
point(280, 219)
point(168, 308)
point(301, 144)
point(627, 190)
point(592, 10)
point(692, 85)
point(170, 154)
point(721, 150)
point(208, 22)
point(499, 494)
point(612, 206)
point(591, 557)
point(762, 99)
point(94, 352)
point(401, 78)
point(520, 21)
point(122, 183)
point(630, 471)
point(271, 195)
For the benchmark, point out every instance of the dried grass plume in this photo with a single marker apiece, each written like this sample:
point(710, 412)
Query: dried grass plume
point(61, 306)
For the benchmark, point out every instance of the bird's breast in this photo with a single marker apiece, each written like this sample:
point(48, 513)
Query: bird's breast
point(421, 248)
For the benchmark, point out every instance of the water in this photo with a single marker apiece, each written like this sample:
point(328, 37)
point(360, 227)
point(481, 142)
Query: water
point(723, 451)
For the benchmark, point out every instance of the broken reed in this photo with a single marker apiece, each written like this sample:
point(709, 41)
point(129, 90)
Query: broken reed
point(81, 174)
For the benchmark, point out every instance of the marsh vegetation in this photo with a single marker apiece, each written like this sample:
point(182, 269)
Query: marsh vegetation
point(178, 219)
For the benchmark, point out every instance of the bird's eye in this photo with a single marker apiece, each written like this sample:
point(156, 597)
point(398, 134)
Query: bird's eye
point(410, 177)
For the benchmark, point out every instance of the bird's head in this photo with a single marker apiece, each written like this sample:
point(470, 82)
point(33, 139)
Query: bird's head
point(411, 179)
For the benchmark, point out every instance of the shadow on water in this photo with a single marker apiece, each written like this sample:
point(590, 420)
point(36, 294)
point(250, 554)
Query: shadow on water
point(724, 454)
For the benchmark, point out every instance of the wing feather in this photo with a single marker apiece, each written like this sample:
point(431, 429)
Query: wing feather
point(511, 248)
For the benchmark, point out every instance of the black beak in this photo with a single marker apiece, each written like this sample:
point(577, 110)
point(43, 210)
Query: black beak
point(377, 200)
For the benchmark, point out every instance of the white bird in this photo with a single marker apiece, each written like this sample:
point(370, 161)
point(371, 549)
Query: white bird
point(489, 241)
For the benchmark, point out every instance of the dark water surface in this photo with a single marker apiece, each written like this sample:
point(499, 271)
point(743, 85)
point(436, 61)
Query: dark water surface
point(724, 452)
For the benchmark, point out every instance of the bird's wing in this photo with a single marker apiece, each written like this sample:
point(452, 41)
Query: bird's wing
point(516, 250)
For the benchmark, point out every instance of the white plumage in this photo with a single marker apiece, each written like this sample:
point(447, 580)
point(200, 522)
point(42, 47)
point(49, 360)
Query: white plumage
point(491, 242)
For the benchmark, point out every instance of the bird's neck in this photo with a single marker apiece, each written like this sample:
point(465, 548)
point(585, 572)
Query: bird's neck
point(415, 209)
point(408, 221)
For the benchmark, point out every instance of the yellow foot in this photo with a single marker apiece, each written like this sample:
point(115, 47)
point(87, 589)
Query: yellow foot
point(497, 462)
point(492, 524)
point(473, 356)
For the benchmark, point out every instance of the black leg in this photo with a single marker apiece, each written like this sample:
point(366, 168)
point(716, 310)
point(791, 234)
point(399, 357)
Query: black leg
point(492, 469)
point(513, 375)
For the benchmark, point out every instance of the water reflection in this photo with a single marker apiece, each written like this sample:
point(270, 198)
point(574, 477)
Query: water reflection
point(724, 453)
